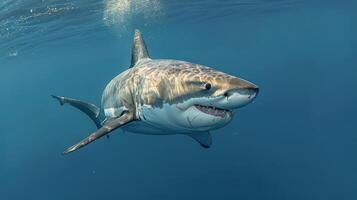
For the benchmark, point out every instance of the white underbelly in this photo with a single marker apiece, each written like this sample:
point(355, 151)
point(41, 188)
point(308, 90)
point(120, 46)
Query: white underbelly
point(175, 120)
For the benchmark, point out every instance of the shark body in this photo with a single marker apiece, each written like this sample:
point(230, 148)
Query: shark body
point(160, 97)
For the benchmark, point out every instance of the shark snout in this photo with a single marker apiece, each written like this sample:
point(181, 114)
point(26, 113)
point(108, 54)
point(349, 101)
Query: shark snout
point(241, 96)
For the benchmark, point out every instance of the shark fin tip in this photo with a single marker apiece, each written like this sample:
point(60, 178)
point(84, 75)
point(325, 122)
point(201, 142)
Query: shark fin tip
point(206, 146)
point(59, 98)
point(139, 50)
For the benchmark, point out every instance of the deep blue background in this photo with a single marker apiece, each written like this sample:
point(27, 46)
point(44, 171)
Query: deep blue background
point(297, 141)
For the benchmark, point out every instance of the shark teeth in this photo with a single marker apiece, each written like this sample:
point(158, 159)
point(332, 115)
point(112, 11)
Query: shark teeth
point(218, 112)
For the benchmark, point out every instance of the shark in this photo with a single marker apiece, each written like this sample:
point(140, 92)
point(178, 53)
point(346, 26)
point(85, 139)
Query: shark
point(165, 97)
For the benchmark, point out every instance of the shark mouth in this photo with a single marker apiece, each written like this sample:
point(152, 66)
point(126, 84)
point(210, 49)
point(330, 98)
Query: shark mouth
point(210, 110)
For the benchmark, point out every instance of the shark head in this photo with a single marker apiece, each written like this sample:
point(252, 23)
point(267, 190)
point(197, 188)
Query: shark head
point(206, 98)
point(187, 97)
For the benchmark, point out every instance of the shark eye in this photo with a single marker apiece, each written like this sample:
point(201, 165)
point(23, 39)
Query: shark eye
point(208, 86)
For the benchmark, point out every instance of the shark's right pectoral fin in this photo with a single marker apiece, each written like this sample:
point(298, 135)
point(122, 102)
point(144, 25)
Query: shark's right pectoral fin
point(108, 127)
point(203, 138)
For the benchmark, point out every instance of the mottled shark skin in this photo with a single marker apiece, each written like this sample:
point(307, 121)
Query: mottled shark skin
point(157, 96)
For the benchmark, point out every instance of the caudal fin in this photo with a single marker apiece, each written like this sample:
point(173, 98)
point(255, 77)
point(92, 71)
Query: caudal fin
point(89, 109)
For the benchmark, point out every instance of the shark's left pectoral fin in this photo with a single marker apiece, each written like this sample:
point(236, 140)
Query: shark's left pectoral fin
point(108, 127)
point(203, 138)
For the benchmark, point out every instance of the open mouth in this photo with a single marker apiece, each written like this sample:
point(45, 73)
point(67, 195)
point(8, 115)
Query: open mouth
point(217, 112)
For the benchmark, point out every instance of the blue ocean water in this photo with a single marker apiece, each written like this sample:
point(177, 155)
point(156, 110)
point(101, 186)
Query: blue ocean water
point(297, 141)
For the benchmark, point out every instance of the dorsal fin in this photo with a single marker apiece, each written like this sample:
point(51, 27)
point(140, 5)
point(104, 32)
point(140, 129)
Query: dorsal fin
point(139, 50)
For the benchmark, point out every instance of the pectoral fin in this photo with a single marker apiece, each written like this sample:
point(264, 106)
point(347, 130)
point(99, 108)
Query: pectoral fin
point(204, 138)
point(108, 127)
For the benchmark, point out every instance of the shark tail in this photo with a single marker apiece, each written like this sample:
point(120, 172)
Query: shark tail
point(92, 111)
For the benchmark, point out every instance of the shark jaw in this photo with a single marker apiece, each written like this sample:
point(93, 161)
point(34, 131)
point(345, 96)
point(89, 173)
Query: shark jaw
point(214, 111)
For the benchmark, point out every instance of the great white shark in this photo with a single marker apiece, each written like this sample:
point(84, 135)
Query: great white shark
point(162, 97)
